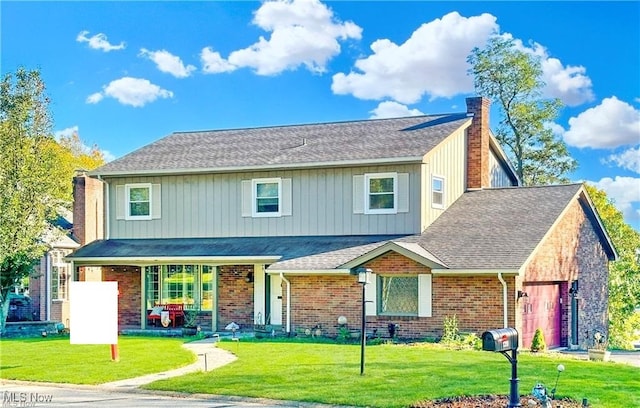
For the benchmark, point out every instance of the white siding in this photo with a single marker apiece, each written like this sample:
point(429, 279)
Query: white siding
point(448, 160)
point(211, 205)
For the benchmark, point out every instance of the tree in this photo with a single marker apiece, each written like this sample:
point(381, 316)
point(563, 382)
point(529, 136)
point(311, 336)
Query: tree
point(512, 79)
point(33, 185)
point(624, 274)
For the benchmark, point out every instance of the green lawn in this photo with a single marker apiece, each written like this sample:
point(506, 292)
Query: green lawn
point(55, 360)
point(397, 376)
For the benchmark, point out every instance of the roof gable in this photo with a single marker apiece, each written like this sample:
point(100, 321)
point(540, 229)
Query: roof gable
point(313, 145)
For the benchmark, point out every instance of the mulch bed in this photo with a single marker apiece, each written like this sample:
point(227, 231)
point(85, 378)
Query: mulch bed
point(492, 401)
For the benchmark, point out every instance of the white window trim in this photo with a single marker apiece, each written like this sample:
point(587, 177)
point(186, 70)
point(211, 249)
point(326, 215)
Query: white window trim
point(367, 178)
point(254, 197)
point(127, 197)
point(443, 181)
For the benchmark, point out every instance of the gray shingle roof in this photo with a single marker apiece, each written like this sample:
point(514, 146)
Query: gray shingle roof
point(276, 247)
point(281, 146)
point(495, 228)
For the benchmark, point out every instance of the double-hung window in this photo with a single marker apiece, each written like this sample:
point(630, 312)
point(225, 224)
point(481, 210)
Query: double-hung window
point(437, 192)
point(381, 193)
point(138, 198)
point(267, 195)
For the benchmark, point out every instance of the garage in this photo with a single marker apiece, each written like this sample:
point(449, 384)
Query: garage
point(542, 309)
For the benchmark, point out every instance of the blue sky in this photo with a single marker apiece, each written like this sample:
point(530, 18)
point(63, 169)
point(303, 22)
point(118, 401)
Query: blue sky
point(124, 74)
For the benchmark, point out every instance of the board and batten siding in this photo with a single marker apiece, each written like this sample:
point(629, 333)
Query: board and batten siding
point(448, 161)
point(498, 175)
point(210, 205)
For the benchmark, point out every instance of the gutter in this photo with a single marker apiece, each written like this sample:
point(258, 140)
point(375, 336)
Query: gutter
point(288, 302)
point(504, 299)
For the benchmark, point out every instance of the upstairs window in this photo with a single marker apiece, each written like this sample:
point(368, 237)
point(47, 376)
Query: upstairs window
point(381, 193)
point(267, 195)
point(138, 201)
point(437, 192)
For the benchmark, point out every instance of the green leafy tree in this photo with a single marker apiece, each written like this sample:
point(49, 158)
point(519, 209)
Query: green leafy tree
point(624, 274)
point(33, 185)
point(512, 79)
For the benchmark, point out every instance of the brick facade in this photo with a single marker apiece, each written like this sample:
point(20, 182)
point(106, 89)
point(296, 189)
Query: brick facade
point(475, 301)
point(235, 296)
point(129, 292)
point(573, 251)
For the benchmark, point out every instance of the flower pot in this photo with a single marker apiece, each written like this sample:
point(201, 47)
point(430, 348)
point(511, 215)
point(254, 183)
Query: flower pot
point(599, 355)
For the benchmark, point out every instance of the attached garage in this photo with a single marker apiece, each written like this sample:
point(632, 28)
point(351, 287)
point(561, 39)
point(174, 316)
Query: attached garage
point(542, 309)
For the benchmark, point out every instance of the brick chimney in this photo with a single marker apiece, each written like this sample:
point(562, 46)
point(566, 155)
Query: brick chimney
point(478, 144)
point(88, 209)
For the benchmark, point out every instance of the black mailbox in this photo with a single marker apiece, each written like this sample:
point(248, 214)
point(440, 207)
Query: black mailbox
point(500, 340)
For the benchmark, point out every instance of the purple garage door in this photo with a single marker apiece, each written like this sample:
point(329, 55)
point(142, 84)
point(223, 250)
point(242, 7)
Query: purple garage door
point(541, 310)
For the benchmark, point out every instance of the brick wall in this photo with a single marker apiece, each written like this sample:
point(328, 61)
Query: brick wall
point(129, 292)
point(573, 251)
point(478, 144)
point(320, 300)
point(88, 209)
point(235, 296)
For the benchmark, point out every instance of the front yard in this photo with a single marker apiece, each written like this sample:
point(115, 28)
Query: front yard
point(395, 375)
point(401, 375)
point(55, 360)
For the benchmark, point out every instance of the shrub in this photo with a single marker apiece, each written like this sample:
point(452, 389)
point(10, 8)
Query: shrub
point(450, 331)
point(538, 343)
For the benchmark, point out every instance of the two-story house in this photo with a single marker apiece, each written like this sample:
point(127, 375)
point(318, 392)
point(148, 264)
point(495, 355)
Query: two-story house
point(264, 225)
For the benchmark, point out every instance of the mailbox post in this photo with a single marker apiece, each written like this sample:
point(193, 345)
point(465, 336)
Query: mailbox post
point(503, 341)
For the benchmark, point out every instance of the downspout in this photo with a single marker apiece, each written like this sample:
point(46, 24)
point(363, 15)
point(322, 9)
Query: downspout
point(504, 298)
point(288, 302)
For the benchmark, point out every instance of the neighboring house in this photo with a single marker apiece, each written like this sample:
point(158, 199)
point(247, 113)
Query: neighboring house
point(49, 284)
point(263, 225)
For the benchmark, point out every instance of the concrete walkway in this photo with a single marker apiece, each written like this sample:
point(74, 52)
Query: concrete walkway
point(209, 355)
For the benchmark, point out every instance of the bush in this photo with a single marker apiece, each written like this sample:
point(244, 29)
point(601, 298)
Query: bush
point(450, 331)
point(538, 343)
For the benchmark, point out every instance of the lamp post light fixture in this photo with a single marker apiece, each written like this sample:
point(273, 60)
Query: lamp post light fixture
point(364, 277)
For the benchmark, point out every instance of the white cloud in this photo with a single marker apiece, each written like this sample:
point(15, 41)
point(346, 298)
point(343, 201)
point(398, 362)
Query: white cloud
point(432, 61)
point(213, 63)
point(167, 62)
point(611, 124)
point(136, 92)
point(303, 32)
point(625, 193)
point(95, 98)
point(99, 42)
point(70, 131)
point(628, 159)
point(391, 109)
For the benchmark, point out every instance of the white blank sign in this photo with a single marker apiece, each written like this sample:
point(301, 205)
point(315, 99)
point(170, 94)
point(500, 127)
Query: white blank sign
point(93, 314)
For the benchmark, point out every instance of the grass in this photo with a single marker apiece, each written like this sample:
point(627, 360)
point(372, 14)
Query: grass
point(55, 360)
point(397, 375)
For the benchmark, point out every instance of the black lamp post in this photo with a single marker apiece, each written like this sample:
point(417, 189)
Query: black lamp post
point(364, 277)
